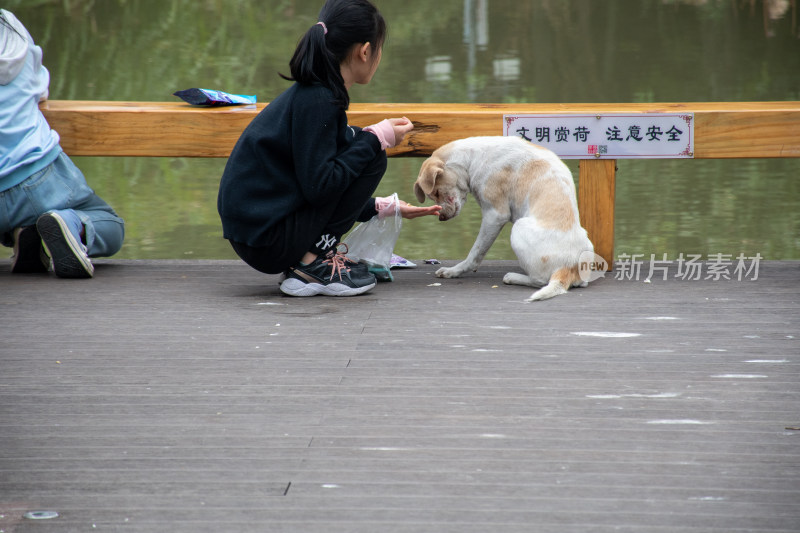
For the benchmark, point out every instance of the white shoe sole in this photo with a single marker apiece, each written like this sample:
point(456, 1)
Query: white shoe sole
point(69, 259)
point(295, 287)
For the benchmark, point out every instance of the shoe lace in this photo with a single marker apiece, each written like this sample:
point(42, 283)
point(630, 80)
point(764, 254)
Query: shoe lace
point(338, 261)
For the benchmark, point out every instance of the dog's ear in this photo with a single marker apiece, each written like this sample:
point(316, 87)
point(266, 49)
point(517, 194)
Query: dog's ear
point(419, 193)
point(431, 169)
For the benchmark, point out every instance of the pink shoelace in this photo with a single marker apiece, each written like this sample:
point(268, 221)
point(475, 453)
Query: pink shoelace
point(338, 261)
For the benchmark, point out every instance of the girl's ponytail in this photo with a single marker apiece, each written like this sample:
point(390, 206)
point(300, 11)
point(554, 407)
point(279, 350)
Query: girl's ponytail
point(323, 48)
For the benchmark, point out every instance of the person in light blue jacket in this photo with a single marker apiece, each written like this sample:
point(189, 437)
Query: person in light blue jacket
point(48, 213)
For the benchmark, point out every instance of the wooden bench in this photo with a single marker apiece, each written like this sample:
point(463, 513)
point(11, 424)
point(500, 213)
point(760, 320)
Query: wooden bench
point(160, 129)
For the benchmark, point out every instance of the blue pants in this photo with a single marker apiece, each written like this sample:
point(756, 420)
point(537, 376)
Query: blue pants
point(61, 186)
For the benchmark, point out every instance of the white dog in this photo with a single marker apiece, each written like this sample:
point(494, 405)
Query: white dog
point(513, 181)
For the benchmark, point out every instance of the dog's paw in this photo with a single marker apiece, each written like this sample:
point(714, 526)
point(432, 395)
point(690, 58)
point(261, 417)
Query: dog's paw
point(513, 278)
point(445, 272)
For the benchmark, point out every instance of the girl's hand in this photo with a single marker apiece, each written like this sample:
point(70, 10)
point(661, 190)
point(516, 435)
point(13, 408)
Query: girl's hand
point(401, 126)
point(386, 207)
point(413, 211)
point(390, 131)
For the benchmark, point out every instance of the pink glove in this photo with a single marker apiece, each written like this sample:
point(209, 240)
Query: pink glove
point(384, 131)
point(385, 206)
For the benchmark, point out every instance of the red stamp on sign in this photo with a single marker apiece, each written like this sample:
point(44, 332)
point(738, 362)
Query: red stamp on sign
point(592, 149)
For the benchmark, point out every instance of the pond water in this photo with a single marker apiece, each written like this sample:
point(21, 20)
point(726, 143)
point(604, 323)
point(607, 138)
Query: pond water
point(543, 51)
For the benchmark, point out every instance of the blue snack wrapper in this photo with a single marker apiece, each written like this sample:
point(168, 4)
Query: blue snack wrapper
point(400, 262)
point(211, 98)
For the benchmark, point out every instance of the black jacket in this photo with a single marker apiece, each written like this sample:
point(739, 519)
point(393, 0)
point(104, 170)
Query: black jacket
point(295, 153)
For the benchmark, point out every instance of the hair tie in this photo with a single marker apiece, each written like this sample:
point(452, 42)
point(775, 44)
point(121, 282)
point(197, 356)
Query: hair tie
point(324, 27)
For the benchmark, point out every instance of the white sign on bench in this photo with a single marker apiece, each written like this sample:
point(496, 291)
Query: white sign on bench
point(608, 136)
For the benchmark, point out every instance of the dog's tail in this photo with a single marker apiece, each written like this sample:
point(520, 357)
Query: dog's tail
point(560, 282)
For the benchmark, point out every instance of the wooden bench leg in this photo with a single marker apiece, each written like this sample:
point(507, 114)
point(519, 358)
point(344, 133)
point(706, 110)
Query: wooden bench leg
point(596, 191)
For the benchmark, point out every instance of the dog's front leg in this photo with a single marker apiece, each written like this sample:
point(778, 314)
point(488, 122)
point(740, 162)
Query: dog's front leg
point(490, 229)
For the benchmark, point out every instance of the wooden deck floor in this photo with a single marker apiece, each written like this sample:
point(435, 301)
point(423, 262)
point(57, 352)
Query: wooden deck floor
point(170, 396)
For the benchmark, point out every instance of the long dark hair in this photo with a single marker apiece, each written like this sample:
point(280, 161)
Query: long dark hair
point(319, 54)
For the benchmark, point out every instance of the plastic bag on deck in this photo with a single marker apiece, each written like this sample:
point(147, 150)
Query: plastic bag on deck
point(372, 242)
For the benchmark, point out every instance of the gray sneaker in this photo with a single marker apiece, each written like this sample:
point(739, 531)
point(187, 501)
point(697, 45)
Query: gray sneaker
point(29, 254)
point(67, 253)
point(332, 275)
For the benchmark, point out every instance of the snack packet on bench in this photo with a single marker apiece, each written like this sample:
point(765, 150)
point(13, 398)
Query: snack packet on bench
point(211, 98)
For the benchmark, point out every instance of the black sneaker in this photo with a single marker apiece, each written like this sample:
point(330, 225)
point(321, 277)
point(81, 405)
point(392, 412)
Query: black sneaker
point(333, 275)
point(29, 254)
point(68, 253)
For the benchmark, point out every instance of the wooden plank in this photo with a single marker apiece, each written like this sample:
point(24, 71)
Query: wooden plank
point(731, 134)
point(146, 129)
point(174, 129)
point(596, 196)
point(223, 406)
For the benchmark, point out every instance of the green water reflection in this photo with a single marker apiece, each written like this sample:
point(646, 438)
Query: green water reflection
point(448, 51)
